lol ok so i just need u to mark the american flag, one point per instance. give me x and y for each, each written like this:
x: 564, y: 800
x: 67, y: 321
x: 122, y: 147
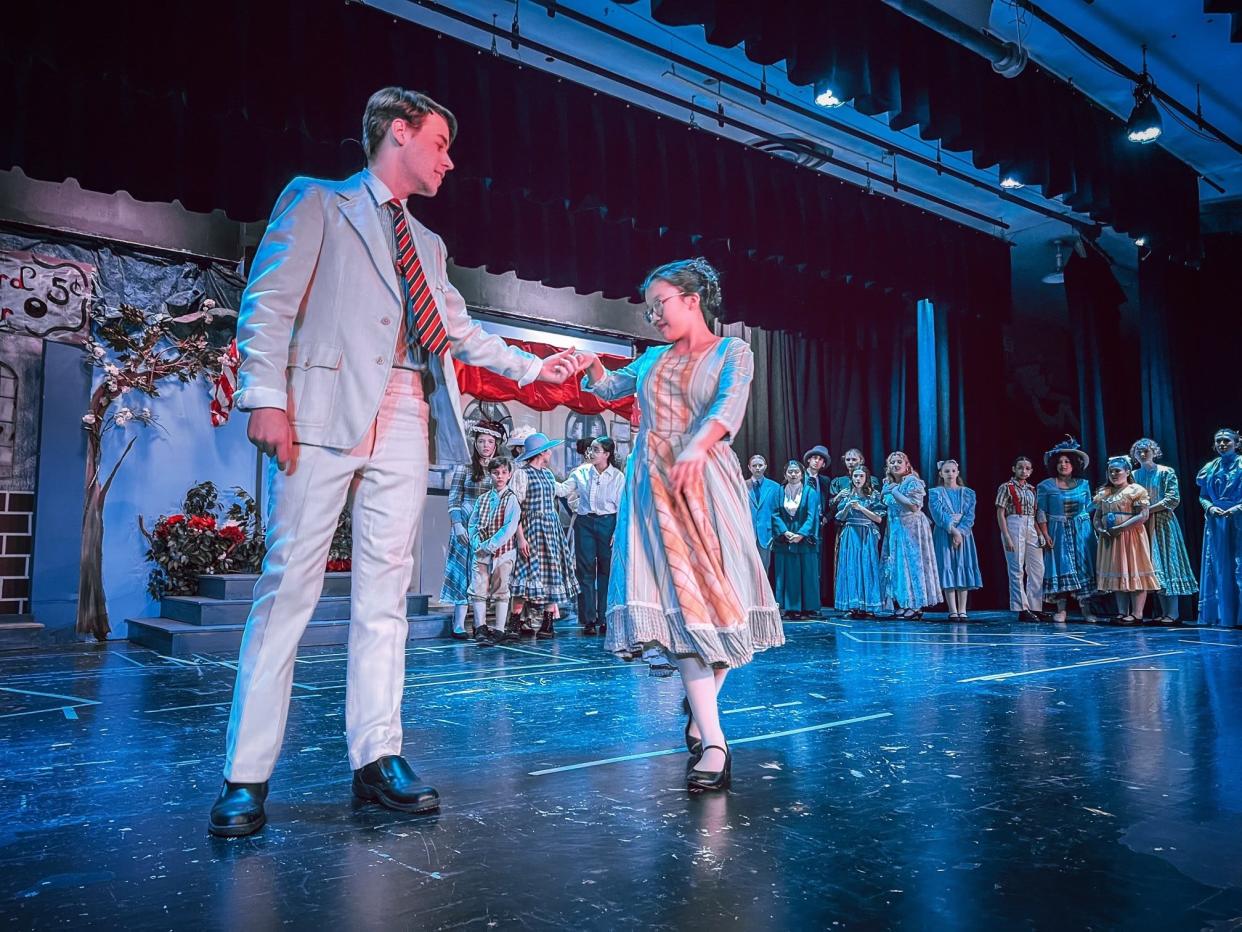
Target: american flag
x: 226, y: 384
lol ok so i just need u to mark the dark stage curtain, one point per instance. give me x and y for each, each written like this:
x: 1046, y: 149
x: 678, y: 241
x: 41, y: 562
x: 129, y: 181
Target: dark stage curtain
x: 1035, y: 126
x: 1107, y: 358
x: 219, y: 108
x: 1191, y: 386
x: 856, y: 385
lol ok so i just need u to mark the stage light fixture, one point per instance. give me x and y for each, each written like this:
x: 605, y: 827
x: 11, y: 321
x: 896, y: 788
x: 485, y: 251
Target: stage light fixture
x: 1145, y: 124
x: 1140, y: 241
x: 1057, y: 276
x: 824, y: 96
x: 1009, y: 182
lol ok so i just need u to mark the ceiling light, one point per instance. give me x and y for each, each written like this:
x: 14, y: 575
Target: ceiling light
x: 1141, y: 241
x: 824, y: 96
x: 1011, y: 183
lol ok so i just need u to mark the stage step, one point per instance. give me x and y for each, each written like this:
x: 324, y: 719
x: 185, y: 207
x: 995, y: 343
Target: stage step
x: 174, y: 638
x: 20, y: 632
x: 241, y: 585
x: 211, y: 612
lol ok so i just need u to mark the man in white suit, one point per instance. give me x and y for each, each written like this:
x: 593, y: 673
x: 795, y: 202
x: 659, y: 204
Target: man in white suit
x: 346, y: 329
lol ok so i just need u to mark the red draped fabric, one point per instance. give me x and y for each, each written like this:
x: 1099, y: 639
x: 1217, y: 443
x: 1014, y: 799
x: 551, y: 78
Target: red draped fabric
x: 542, y: 396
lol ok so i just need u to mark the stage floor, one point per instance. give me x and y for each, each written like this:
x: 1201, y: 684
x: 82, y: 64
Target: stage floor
x: 886, y: 774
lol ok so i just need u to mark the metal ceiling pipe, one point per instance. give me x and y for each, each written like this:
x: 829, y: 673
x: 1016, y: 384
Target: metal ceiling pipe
x: 1007, y: 58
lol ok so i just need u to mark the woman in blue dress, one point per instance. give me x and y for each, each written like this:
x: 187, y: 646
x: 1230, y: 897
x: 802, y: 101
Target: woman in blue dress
x: 952, y: 508
x: 795, y: 545
x: 1220, y: 494
x: 1063, y: 513
x: 908, y: 565
x: 1168, y: 548
x: 466, y: 485
x: 859, y: 512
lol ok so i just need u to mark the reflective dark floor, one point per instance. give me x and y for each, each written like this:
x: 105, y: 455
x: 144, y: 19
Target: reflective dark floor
x: 887, y: 775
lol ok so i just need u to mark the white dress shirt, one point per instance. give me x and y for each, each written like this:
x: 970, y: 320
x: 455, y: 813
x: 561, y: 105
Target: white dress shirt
x: 596, y: 493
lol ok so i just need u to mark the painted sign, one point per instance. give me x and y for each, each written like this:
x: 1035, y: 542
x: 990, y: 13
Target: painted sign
x: 44, y: 296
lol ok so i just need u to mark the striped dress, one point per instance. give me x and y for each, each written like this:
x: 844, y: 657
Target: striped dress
x: 686, y: 576
x: 1168, y: 548
x: 464, y: 492
x: 547, y: 574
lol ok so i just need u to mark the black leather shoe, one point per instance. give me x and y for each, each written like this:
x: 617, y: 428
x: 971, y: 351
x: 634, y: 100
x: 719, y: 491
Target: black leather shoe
x: 391, y: 782
x: 711, y: 780
x: 588, y: 630
x: 238, y: 810
x: 603, y: 627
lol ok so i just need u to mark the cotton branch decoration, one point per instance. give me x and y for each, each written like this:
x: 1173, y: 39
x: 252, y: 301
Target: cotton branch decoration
x: 136, y: 351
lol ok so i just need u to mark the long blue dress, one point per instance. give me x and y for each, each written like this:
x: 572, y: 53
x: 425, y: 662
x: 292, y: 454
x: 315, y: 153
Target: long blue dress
x: 959, y: 566
x: 797, y: 564
x: 1168, y: 547
x: 858, y: 581
x: 1069, y: 567
x: 1220, y: 581
x: 908, y: 565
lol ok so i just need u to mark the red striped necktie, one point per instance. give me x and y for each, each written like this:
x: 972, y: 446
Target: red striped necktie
x: 422, y: 320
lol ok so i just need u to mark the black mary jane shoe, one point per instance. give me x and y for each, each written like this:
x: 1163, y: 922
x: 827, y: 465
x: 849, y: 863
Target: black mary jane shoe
x: 238, y: 810
x: 711, y: 780
x: 1126, y: 621
x: 693, y: 745
x: 391, y: 782
x: 459, y: 635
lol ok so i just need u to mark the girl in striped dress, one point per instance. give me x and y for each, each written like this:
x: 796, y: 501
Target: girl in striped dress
x: 544, y: 575
x: 466, y: 484
x: 686, y: 575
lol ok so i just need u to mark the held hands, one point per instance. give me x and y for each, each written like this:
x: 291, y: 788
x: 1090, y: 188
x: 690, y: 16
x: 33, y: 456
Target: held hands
x: 269, y: 430
x: 559, y: 366
x: 956, y: 536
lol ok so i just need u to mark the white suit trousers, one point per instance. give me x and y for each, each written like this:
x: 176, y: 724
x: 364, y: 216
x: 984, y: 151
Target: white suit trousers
x: 387, y: 472
x: 1025, y: 564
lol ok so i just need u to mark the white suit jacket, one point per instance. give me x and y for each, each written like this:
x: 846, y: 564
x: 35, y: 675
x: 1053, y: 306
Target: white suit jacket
x: 318, y: 322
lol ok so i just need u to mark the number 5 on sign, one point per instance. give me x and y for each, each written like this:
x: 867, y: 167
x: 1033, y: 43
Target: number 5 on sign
x: 44, y: 296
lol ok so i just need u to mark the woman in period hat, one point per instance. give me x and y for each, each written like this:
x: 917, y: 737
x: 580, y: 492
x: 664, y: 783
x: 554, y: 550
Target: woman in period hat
x: 466, y: 485
x: 1063, y: 513
x: 544, y: 575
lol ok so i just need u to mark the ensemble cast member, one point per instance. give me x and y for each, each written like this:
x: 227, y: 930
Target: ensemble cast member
x: 816, y: 461
x: 596, y: 491
x: 1220, y: 494
x: 908, y: 574
x: 860, y: 511
x: 1024, y: 557
x: 793, y: 545
x: 493, y: 532
x: 952, y: 507
x: 1123, y: 551
x: 1063, y: 512
x: 544, y: 576
x: 1168, y: 547
x: 765, y: 497
x: 466, y: 484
